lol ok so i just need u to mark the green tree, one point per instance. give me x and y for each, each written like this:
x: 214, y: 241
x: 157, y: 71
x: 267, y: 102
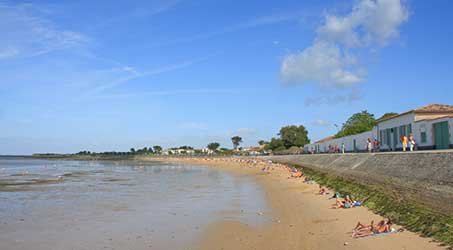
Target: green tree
x: 157, y: 149
x: 357, y: 123
x: 132, y: 150
x: 213, y: 146
x: 294, y: 136
x: 225, y: 151
x: 387, y: 115
x: 262, y: 142
x: 236, y: 140
x: 276, y: 144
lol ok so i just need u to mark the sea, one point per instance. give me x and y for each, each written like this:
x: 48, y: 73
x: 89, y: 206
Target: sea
x: 63, y: 204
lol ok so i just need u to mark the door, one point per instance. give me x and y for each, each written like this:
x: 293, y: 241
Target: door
x: 395, y: 138
x: 389, y: 138
x: 441, y: 135
x: 355, y: 146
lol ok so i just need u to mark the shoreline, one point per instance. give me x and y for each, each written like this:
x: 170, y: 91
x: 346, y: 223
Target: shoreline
x: 301, y: 219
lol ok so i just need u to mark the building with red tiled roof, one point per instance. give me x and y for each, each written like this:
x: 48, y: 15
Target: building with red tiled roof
x: 431, y: 126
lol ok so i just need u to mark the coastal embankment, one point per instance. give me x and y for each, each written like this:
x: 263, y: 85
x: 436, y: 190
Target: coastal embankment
x: 300, y: 217
x: 413, y: 189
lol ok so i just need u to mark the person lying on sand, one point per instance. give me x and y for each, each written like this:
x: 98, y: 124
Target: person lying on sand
x: 366, y: 230
x: 346, y: 203
x: 341, y: 204
x: 323, y: 190
x: 297, y: 174
x: 308, y: 180
x: 361, y: 226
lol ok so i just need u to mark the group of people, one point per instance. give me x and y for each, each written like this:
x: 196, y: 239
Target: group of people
x: 408, y: 141
x: 347, y: 202
x: 360, y: 230
x: 373, y: 146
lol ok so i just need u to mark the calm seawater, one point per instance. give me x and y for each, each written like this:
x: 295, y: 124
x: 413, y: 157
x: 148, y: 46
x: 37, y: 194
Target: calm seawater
x: 118, y: 205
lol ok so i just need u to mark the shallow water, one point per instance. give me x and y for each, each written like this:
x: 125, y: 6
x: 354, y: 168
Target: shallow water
x: 118, y: 205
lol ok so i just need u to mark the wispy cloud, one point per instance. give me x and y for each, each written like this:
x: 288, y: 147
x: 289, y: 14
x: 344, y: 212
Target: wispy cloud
x: 327, y: 99
x: 27, y: 33
x: 171, y: 92
x: 249, y: 24
x: 151, y: 9
x: 194, y: 125
x: 134, y: 74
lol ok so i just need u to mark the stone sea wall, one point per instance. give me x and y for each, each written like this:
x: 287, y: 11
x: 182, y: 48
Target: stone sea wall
x: 425, y: 178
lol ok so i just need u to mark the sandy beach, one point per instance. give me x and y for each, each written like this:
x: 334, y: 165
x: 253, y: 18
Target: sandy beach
x: 301, y: 218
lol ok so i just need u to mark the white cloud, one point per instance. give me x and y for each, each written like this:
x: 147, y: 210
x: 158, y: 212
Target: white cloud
x: 27, y: 33
x: 8, y: 53
x: 352, y: 96
x: 323, y: 63
x: 370, y: 21
x: 194, y: 125
x: 244, y: 132
x: 331, y: 61
x: 320, y: 122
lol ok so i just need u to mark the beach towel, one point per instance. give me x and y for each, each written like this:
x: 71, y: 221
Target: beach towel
x: 375, y: 235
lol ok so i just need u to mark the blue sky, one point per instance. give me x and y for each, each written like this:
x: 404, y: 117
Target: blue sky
x: 92, y: 75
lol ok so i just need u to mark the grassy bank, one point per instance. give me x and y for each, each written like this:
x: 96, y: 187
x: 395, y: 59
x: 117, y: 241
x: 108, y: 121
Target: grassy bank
x: 413, y: 217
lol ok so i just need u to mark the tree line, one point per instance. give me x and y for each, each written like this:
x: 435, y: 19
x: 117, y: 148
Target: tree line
x: 288, y: 138
x: 143, y: 151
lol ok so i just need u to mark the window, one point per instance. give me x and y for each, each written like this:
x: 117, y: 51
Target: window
x: 409, y: 129
x: 423, y: 137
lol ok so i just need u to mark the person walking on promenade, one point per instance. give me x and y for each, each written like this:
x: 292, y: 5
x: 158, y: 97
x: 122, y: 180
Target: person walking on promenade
x: 404, y: 142
x: 376, y: 145
x: 411, y: 142
x: 369, y: 145
x: 342, y: 148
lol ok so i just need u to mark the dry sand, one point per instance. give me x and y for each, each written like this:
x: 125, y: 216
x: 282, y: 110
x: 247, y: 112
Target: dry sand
x: 301, y: 219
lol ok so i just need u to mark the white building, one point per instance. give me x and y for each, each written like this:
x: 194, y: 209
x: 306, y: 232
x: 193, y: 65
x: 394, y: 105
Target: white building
x: 431, y: 126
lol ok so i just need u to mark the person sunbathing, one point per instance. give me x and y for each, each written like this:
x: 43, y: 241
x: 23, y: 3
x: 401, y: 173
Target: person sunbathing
x: 346, y: 203
x: 323, y: 190
x: 361, y: 226
x: 366, y: 230
x: 308, y: 180
x: 338, y: 204
x: 297, y: 174
x: 384, y: 226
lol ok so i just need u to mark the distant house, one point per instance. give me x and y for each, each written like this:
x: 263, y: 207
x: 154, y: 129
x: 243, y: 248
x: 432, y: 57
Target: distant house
x: 431, y: 126
x: 259, y: 150
x: 178, y: 151
x: 207, y: 151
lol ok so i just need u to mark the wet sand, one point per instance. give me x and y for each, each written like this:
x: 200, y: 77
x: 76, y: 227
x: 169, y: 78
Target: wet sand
x: 118, y: 205
x: 300, y: 218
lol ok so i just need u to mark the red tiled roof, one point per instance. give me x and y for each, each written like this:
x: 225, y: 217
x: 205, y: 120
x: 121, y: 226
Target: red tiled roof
x: 435, y: 118
x: 435, y: 108
x: 431, y: 108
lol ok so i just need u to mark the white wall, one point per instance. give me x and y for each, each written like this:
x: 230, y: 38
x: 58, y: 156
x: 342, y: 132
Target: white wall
x: 397, y: 122
x: 361, y: 141
x: 429, y: 128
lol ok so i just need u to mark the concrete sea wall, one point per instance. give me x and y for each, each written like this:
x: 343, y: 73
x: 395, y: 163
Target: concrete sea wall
x: 425, y: 178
